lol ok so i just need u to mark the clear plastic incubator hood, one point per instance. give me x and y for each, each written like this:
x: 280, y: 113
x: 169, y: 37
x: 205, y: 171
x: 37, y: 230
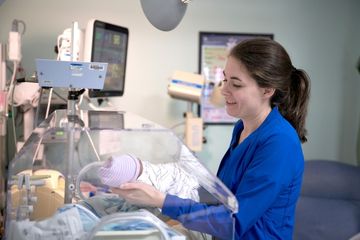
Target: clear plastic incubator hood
x: 55, y: 192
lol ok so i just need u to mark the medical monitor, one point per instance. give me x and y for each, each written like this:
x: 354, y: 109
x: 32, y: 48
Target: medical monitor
x: 106, y: 42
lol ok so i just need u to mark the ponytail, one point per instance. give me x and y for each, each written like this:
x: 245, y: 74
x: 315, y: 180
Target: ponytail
x: 294, y: 104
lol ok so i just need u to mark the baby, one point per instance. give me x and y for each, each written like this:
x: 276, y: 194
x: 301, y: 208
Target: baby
x: 166, y: 177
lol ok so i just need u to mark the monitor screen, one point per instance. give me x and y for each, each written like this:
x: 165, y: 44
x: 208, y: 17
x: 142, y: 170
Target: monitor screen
x: 106, y: 119
x: 109, y: 44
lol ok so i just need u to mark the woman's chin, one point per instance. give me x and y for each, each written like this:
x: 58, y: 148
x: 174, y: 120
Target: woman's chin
x: 230, y: 111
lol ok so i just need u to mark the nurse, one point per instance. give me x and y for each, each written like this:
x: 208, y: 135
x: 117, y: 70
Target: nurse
x: 263, y: 165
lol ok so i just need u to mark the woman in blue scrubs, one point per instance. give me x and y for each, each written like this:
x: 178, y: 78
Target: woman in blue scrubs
x: 264, y: 163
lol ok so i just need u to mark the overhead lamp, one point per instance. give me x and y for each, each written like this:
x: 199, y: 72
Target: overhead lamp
x: 165, y: 15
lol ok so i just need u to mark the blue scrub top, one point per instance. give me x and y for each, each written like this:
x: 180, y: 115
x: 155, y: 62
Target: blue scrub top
x: 264, y: 172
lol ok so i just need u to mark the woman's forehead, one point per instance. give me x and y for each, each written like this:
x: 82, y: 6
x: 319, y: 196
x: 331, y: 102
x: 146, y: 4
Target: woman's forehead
x: 234, y: 65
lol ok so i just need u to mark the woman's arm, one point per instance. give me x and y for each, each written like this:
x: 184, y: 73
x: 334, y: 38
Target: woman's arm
x: 214, y: 220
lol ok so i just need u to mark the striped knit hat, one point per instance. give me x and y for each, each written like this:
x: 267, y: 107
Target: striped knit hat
x: 119, y: 169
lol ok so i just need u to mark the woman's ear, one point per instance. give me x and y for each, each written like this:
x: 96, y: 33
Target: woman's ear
x: 269, y: 92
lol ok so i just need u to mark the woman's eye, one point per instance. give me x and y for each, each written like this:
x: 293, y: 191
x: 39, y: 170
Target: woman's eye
x: 231, y: 84
x: 236, y: 86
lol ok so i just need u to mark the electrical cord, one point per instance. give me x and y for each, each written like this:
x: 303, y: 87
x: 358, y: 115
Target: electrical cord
x: 15, y: 26
x: 61, y: 97
x: 11, y: 90
x: 49, y: 103
x: 38, y: 110
x: 177, y: 125
x: 52, y: 91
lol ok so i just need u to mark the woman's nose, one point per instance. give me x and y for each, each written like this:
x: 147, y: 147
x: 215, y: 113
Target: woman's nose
x: 224, y: 89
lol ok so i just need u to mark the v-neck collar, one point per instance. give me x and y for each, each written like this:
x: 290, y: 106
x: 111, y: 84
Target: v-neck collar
x: 240, y: 128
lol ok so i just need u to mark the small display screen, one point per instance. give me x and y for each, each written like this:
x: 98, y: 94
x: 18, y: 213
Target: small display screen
x: 105, y: 119
x: 109, y: 45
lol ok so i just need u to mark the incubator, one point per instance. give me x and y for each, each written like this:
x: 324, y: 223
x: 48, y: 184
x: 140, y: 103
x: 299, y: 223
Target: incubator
x: 55, y: 192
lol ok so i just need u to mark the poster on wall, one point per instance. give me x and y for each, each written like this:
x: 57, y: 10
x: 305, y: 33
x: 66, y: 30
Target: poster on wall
x: 213, y: 50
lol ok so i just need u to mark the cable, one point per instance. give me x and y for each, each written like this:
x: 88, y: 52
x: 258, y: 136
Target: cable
x: 38, y: 109
x: 177, y: 125
x: 15, y: 26
x: 11, y: 90
x: 61, y: 97
x: 48, y: 104
x: 109, y: 103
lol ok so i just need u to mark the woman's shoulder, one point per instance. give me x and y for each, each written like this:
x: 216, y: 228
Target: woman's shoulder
x: 279, y: 134
x: 279, y: 127
x: 281, y: 141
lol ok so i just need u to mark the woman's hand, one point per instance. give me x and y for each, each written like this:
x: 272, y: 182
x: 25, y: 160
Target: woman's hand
x: 87, y: 187
x: 140, y: 194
